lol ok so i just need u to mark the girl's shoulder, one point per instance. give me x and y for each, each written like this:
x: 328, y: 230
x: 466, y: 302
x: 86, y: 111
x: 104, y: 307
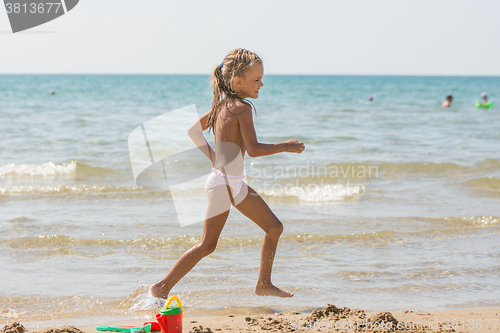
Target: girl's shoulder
x: 238, y: 107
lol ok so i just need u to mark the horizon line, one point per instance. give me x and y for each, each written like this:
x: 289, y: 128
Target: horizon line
x: 270, y: 74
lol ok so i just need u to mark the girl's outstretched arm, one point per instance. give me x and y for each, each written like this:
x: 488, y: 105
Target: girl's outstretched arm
x: 195, y: 132
x: 255, y: 148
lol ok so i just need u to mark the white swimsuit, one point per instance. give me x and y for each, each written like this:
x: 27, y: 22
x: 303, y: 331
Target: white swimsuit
x: 218, y: 178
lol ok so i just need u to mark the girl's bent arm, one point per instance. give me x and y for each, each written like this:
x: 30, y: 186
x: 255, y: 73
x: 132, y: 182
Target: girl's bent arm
x: 254, y: 148
x: 195, y: 132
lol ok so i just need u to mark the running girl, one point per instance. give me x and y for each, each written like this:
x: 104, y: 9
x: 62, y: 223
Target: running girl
x: 238, y: 77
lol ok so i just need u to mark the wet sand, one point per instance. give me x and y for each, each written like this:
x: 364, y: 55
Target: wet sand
x: 328, y: 319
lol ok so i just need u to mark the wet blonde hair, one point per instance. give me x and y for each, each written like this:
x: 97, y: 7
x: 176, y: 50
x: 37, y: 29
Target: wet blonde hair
x: 235, y: 64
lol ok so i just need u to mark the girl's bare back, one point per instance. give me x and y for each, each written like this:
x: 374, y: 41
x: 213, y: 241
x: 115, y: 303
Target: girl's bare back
x: 229, y: 143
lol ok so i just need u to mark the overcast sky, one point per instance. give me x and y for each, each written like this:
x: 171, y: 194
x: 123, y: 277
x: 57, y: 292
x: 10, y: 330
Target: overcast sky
x: 424, y: 37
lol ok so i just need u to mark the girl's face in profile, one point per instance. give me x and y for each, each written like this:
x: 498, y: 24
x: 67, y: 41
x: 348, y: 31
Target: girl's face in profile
x: 248, y: 86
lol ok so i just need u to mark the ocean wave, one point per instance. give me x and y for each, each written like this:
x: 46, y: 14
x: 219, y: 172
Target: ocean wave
x: 473, y: 220
x: 435, y: 169
x: 316, y: 193
x: 22, y: 219
x: 312, y: 172
x: 50, y: 308
x: 66, y: 189
x: 444, y: 227
x: 438, y: 227
x: 44, y: 169
x: 67, y: 242
x: 485, y: 186
x: 50, y: 169
x: 416, y: 168
x: 490, y: 163
x: 366, y: 170
x: 67, y: 245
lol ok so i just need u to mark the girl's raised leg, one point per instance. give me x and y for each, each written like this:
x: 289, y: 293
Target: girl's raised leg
x: 256, y: 209
x: 211, y: 231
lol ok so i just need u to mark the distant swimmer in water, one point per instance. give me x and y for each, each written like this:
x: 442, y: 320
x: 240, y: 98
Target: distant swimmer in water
x: 447, y: 102
x: 370, y: 99
x: 52, y: 92
x: 484, y: 97
x: 484, y: 103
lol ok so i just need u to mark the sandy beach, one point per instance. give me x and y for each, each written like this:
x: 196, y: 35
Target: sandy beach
x: 328, y: 319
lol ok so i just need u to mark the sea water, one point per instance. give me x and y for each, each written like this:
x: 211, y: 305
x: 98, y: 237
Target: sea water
x: 394, y: 204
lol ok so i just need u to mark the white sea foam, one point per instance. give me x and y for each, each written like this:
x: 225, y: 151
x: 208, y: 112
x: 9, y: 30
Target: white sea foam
x: 44, y: 169
x: 316, y: 193
x: 65, y: 188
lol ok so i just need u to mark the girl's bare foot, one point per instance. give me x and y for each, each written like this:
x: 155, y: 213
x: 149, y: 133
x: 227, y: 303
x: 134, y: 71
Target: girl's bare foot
x: 157, y: 290
x: 270, y: 290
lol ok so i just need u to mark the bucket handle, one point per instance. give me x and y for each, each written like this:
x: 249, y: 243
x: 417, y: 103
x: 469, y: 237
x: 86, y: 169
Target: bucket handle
x: 174, y: 298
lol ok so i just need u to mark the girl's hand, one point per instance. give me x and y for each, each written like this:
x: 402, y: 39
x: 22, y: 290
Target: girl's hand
x: 293, y: 146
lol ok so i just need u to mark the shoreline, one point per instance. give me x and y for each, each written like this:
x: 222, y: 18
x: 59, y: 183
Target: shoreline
x: 328, y: 319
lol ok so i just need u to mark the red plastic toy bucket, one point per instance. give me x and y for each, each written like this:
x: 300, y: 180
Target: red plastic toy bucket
x: 170, y: 318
